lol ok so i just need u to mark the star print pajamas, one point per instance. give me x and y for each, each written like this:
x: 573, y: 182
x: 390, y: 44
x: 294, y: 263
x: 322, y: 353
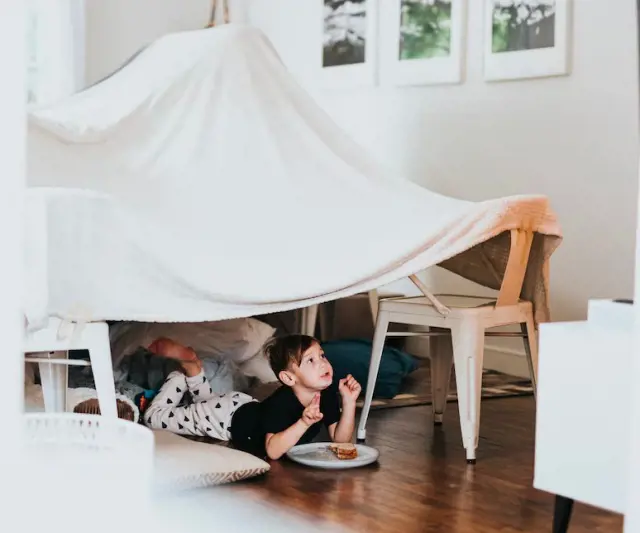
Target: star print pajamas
x: 209, y: 414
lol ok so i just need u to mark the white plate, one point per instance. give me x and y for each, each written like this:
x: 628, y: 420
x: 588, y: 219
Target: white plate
x: 318, y: 454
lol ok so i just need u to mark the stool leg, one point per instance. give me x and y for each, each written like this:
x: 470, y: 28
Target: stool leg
x: 54, y: 379
x: 382, y: 325
x: 96, y: 338
x: 441, y: 359
x: 468, y: 352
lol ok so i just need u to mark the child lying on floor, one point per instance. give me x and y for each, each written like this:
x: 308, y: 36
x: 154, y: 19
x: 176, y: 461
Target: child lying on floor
x: 292, y: 415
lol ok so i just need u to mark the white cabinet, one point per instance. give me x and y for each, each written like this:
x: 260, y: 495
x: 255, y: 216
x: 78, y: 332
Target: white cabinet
x: 584, y: 406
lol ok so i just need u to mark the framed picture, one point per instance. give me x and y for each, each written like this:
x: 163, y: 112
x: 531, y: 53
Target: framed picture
x: 423, y: 41
x: 526, y: 38
x: 349, y: 42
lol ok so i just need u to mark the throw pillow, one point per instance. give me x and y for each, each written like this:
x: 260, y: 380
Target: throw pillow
x: 182, y: 464
x: 353, y: 356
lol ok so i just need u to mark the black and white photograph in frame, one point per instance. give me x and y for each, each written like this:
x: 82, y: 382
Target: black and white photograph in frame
x: 526, y: 38
x: 345, y: 32
x: 423, y: 41
x: 349, y: 47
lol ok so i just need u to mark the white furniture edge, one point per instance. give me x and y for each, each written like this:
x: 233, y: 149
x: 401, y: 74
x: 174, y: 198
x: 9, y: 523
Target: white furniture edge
x: 51, y: 344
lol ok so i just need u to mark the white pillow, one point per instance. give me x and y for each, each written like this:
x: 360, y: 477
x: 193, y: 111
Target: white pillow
x: 237, y: 339
x: 182, y: 464
x: 258, y: 367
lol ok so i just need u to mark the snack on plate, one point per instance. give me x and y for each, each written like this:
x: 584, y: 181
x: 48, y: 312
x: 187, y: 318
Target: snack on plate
x: 344, y: 451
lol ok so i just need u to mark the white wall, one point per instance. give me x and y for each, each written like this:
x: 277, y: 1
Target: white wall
x: 116, y: 29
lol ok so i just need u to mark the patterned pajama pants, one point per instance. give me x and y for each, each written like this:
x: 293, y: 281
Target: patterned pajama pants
x: 209, y: 414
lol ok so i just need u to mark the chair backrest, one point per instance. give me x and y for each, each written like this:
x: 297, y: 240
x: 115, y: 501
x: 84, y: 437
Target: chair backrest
x: 511, y: 287
x: 516, y: 268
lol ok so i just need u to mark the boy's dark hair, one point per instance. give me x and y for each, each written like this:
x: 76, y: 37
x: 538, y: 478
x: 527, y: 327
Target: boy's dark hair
x: 282, y: 351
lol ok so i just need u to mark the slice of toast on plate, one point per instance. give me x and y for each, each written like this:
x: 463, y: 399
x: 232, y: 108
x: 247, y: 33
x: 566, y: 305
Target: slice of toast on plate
x: 344, y: 451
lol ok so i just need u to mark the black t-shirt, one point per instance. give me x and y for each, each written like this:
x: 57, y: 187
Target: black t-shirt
x: 253, y: 421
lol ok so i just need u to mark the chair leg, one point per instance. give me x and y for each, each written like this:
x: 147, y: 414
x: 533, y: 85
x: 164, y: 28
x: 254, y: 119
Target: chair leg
x: 468, y: 353
x: 324, y: 312
x: 531, y: 350
x: 96, y: 337
x: 374, y: 304
x: 441, y: 359
x: 562, y: 514
x: 309, y: 320
x: 382, y: 324
x: 54, y: 379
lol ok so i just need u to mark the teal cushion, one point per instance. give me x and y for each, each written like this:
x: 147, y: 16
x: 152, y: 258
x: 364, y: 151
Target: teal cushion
x: 352, y: 356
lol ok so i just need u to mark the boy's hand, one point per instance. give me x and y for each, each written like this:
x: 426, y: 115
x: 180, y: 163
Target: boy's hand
x: 312, y: 413
x: 349, y: 389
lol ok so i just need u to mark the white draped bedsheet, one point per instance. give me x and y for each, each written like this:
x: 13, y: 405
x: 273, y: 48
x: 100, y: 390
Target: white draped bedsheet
x: 200, y: 182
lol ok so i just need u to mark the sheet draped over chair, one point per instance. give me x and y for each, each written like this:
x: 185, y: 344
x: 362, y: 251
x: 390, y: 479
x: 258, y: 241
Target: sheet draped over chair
x: 156, y: 195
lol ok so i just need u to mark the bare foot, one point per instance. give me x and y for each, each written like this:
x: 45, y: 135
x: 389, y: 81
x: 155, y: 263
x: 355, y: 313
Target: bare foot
x: 173, y: 350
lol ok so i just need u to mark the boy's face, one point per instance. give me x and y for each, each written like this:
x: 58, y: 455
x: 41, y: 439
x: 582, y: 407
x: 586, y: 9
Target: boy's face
x: 314, y: 371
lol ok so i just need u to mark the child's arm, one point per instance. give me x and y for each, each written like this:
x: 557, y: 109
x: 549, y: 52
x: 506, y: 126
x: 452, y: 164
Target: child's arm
x: 342, y: 431
x: 277, y: 444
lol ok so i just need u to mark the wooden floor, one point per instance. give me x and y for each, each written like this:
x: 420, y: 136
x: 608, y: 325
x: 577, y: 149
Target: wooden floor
x: 422, y: 482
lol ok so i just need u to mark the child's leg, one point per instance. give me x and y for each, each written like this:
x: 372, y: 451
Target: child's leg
x: 200, y: 388
x: 164, y: 413
x: 209, y: 415
x: 214, y: 411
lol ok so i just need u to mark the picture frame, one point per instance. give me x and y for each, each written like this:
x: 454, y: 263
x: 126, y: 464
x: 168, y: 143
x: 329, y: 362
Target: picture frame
x: 349, y: 37
x: 423, y: 41
x: 526, y: 39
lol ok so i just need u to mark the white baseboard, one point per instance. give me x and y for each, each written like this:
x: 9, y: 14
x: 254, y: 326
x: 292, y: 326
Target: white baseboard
x: 506, y: 360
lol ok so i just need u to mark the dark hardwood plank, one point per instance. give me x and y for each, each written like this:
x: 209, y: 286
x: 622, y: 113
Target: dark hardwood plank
x: 423, y: 484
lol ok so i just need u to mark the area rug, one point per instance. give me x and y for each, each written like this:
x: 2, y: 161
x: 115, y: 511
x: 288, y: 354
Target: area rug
x: 417, y: 390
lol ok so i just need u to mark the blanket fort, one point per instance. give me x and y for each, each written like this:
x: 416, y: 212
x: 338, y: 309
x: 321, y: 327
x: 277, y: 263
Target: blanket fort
x: 158, y: 194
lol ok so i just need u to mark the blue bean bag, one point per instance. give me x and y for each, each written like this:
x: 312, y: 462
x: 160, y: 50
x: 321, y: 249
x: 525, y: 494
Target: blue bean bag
x: 352, y: 356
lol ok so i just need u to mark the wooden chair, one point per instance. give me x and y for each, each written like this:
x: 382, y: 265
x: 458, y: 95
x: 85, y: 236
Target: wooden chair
x: 457, y: 327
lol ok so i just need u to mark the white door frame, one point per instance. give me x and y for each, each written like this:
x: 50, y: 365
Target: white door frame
x: 632, y: 516
x: 12, y: 184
